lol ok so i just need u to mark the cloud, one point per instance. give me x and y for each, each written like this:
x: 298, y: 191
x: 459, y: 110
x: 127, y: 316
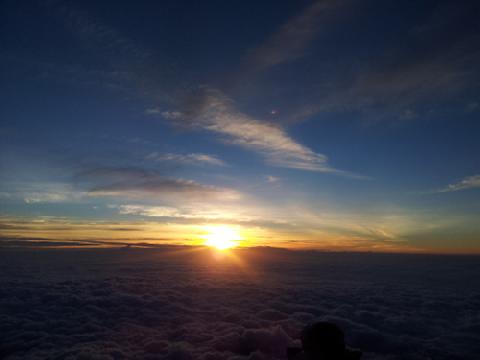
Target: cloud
x: 394, y: 90
x: 157, y: 211
x: 193, y: 158
x: 43, y: 192
x: 211, y: 110
x: 272, y: 179
x: 152, y: 111
x: 393, y: 82
x: 132, y: 68
x: 181, y: 303
x: 172, y: 212
x: 470, y: 182
x: 292, y: 39
x: 49, y: 197
x: 197, y: 214
x: 171, y: 115
x: 167, y: 114
x: 137, y: 182
x: 97, y: 232
x: 94, y: 33
x: 435, y: 59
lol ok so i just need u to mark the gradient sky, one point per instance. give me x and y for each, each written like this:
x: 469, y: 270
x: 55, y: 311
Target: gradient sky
x: 340, y: 125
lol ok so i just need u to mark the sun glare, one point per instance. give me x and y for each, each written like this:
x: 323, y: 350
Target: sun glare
x: 222, y: 237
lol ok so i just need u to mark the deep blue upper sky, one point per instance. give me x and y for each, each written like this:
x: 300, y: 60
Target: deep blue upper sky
x: 350, y: 124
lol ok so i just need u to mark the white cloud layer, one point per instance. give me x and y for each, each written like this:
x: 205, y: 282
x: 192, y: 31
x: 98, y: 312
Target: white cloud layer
x: 183, y: 305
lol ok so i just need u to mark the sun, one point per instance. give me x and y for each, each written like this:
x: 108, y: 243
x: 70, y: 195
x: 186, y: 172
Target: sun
x: 222, y: 237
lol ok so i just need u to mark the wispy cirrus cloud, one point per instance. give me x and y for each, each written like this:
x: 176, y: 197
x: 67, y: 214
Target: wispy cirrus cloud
x: 292, y: 39
x: 192, y: 158
x: 469, y: 182
x: 138, y: 182
x: 437, y: 60
x: 202, y: 213
x: 211, y: 110
x: 154, y: 211
x: 94, y: 33
x: 272, y: 179
x: 395, y: 88
x: 33, y: 198
x: 42, y: 192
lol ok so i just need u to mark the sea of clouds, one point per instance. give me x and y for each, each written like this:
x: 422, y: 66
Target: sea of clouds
x: 192, y: 303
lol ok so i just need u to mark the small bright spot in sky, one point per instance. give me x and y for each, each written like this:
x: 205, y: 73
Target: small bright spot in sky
x: 222, y: 237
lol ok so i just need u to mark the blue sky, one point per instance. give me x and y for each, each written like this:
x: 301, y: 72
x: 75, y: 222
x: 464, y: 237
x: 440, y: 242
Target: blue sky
x: 329, y: 124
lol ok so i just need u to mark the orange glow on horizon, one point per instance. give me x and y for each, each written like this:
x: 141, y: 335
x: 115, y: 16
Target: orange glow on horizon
x: 221, y: 236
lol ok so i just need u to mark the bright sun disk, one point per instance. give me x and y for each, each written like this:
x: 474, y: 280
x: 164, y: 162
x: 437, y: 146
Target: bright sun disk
x: 222, y: 237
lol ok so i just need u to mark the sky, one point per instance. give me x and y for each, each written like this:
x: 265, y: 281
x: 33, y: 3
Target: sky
x: 334, y: 125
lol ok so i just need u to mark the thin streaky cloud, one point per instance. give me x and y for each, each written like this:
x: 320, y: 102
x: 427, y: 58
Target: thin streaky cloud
x: 97, y: 34
x: 132, y: 68
x: 152, y: 111
x: 192, y: 158
x: 172, y: 114
x: 271, y: 179
x: 154, y: 211
x: 217, y: 113
x: 42, y: 192
x: 143, y: 183
x: 213, y: 111
x: 292, y: 39
x: 470, y: 182
x: 407, y: 82
x: 175, y: 213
